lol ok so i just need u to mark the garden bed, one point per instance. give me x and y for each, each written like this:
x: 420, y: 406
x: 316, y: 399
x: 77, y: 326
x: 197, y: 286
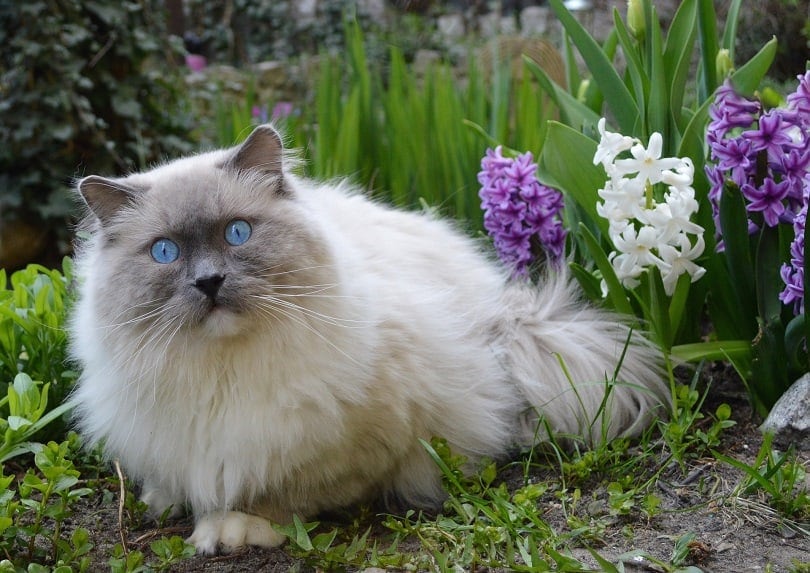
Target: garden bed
x: 702, y: 512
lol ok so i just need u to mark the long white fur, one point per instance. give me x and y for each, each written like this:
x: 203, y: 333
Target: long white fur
x: 417, y: 334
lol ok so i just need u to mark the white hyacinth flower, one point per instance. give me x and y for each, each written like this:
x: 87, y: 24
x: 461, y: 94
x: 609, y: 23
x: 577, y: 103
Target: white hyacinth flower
x: 646, y: 232
x: 610, y: 145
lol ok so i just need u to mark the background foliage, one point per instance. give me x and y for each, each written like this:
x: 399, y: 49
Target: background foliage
x: 85, y: 88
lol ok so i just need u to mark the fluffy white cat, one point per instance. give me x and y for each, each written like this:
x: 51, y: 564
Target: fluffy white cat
x: 254, y: 345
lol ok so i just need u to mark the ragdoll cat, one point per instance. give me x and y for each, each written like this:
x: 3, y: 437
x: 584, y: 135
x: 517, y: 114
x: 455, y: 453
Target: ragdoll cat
x: 255, y: 345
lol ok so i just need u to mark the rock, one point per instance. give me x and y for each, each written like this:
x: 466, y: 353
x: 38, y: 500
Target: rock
x: 534, y: 20
x: 375, y: 9
x: 451, y: 26
x: 789, y: 420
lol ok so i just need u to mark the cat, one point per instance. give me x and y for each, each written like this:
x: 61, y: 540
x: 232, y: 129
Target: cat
x: 255, y: 345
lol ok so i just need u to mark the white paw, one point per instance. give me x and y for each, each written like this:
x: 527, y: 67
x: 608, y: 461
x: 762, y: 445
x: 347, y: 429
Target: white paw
x: 159, y: 502
x: 231, y: 530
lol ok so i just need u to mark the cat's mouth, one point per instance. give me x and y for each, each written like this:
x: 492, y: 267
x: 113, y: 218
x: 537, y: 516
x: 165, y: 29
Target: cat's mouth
x: 220, y: 319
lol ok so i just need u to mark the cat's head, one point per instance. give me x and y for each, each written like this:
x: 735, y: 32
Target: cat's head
x: 206, y: 245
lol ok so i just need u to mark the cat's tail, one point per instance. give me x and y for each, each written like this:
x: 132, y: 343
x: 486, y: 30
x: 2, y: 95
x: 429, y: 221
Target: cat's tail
x: 584, y: 371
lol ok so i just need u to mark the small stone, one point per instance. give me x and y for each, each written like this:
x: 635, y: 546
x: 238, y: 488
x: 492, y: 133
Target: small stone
x: 724, y: 546
x: 534, y: 20
x: 451, y: 26
x: 789, y: 420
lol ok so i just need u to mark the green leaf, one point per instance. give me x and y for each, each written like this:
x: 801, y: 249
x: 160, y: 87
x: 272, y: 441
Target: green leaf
x: 18, y: 422
x: 716, y: 350
x: 616, y: 291
x: 751, y: 472
x: 563, y: 149
x: 748, y: 77
x: 587, y: 281
x: 678, y: 55
x: 734, y: 230
x: 604, y: 565
x: 707, y: 26
x: 677, y: 303
x: 638, y: 75
x: 730, y: 33
x: 658, y: 106
x: 795, y: 336
x: 617, y: 96
x: 573, y: 112
x: 767, y: 273
x: 301, y: 535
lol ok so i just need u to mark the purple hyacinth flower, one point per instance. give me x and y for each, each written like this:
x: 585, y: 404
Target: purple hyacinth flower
x: 730, y: 110
x: 518, y: 208
x: 767, y: 199
x: 800, y: 99
x: 793, y: 273
x: 735, y: 156
x: 771, y: 135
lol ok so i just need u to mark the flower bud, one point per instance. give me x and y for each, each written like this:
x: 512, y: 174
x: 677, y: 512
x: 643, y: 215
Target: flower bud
x: 636, y: 18
x: 582, y: 91
x: 723, y: 64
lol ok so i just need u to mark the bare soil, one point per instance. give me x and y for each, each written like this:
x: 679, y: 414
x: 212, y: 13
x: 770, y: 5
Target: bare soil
x: 732, y: 534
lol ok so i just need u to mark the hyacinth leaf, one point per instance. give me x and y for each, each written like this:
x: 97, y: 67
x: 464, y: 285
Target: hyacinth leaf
x: 573, y: 111
x: 658, y: 106
x: 746, y: 80
x: 795, y: 335
x: 573, y: 77
x: 616, y: 292
x: 730, y: 32
x: 589, y: 283
x: 768, y: 280
x: 655, y: 307
x: 748, y: 77
x: 707, y: 27
x: 677, y: 302
x: 678, y: 56
x: 616, y: 94
x: 734, y: 225
x: 635, y: 68
x: 564, y: 148
x: 769, y: 378
x: 692, y: 139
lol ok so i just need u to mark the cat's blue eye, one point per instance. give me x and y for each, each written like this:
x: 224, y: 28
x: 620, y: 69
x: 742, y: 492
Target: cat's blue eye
x: 237, y: 232
x: 165, y: 251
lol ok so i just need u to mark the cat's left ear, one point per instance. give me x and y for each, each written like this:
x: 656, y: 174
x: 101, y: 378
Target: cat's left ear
x: 261, y: 151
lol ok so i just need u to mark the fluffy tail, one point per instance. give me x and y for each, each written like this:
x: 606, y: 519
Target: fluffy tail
x: 582, y: 370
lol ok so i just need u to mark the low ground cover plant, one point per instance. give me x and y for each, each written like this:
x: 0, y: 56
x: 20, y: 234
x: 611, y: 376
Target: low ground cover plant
x: 682, y: 205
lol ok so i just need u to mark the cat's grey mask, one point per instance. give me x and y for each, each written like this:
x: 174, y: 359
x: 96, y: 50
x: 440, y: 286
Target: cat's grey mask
x: 210, y: 258
x: 261, y: 153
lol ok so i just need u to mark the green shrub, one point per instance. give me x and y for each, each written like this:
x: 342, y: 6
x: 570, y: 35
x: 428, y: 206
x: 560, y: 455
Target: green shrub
x: 33, y: 341
x: 84, y: 87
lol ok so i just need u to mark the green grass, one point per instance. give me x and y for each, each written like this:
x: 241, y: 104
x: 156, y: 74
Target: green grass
x: 409, y: 139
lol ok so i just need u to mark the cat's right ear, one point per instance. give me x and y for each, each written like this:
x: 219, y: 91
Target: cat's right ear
x: 105, y: 197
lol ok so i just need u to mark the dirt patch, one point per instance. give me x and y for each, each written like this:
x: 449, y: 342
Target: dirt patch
x: 731, y: 533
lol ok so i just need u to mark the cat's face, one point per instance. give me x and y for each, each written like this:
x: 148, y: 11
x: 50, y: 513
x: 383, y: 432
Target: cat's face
x: 203, y: 246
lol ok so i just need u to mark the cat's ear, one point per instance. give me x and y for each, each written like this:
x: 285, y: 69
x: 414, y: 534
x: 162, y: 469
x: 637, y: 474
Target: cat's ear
x: 261, y: 151
x: 105, y: 197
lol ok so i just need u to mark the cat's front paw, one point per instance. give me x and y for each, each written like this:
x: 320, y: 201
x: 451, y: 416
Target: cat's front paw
x: 228, y: 531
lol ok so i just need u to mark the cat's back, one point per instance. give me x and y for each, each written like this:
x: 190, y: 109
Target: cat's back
x: 406, y: 250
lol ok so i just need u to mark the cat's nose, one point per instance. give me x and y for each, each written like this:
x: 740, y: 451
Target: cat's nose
x: 209, y: 285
